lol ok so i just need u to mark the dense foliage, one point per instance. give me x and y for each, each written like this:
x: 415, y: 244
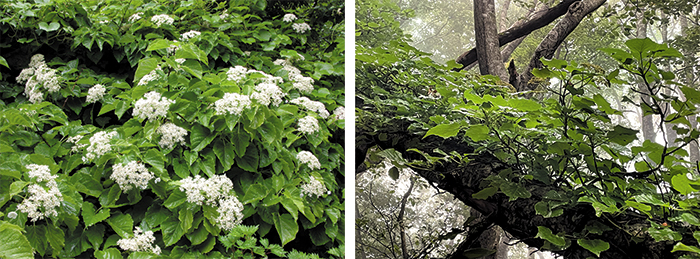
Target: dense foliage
x: 564, y: 148
x: 170, y: 129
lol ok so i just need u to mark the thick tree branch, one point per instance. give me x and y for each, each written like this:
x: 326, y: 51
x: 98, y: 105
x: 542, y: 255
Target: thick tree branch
x: 538, y: 20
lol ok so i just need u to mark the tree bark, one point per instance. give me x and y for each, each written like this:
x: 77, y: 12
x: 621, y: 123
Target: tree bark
x: 402, y: 224
x: 359, y: 250
x: 489, y: 53
x: 694, y: 148
x: 539, y: 20
x: 577, y: 11
x: 647, y: 121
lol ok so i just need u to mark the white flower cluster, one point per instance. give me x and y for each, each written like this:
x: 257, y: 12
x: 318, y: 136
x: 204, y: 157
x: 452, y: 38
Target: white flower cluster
x: 151, y: 76
x: 95, y: 93
x: 310, y: 105
x: 99, y: 145
x: 171, y: 135
x: 266, y: 93
x: 230, y: 213
x: 301, y: 27
x: 290, y: 17
x: 314, y: 188
x: 216, y: 192
x: 232, y: 103
x: 236, y: 73
x: 133, y: 173
x: 141, y: 242
x: 39, y: 198
x: 286, y: 65
x: 303, y: 84
x: 339, y: 113
x: 38, y: 73
x: 75, y: 140
x: 308, y: 125
x: 161, y: 19
x: 152, y: 106
x: 306, y: 157
x: 135, y: 17
x: 190, y: 34
x: 173, y: 47
x: 223, y: 15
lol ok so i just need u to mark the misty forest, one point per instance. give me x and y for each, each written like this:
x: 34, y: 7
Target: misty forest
x: 527, y: 129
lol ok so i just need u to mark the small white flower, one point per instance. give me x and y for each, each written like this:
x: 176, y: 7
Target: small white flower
x: 141, y: 242
x: 42, y: 173
x: 339, y: 113
x: 232, y: 103
x: 301, y: 27
x: 153, y: 75
x: 180, y: 60
x: 171, y: 135
x: 41, y: 202
x: 306, y: 157
x: 190, y: 34
x: 318, y: 107
x: 36, y: 75
x: 152, y: 106
x: 12, y: 215
x: 290, y: 17
x: 162, y: 19
x: 236, y: 73
x: 266, y: 93
x: 308, y: 125
x: 287, y: 65
x: 304, y: 84
x: 314, y: 188
x: 173, y: 47
x: 209, y: 191
x: 99, y: 145
x: 223, y: 15
x: 131, y: 174
x: 95, y: 93
x: 135, y: 17
x: 75, y: 140
x: 230, y: 212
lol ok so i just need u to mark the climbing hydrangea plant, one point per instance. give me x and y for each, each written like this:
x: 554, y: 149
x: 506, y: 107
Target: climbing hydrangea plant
x: 148, y: 129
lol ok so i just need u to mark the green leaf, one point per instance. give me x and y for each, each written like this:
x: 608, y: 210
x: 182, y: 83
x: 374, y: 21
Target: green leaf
x: 444, y: 130
x: 692, y: 94
x: 250, y: 160
x: 663, y: 233
x: 485, y: 193
x: 524, y: 104
x: 13, y: 244
x: 200, y: 137
x: 186, y: 217
x: 175, y: 199
x: 622, y: 135
x: 37, y: 238
x: 109, y: 253
x: 198, y: 235
x: 55, y: 237
x: 681, y: 183
x: 478, y: 132
x: 546, y: 234
x: 158, y: 44
x: 193, y: 67
x: 89, y: 216
x: 683, y: 247
x: 4, y: 62
x: 642, y: 46
x: 254, y: 193
x: 156, y: 159
x: 207, y: 246
x: 122, y: 224
x: 172, y: 231
x: 394, y: 173
x: 145, y: 66
x: 225, y: 153
x: 596, y: 246
x: 515, y: 191
x: 53, y: 26
x: 191, y: 51
x: 286, y: 226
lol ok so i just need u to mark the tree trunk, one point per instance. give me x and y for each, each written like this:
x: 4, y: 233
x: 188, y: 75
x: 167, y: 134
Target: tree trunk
x: 503, y: 16
x: 670, y: 133
x: 488, y: 49
x: 576, y: 12
x: 694, y: 149
x: 539, y: 20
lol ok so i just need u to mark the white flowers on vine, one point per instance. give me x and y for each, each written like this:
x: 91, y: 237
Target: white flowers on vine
x: 290, y: 17
x: 132, y: 174
x: 215, y: 192
x: 152, y: 106
x: 141, y: 242
x: 171, y: 135
x: 313, y: 188
x: 310, y: 105
x: 35, y: 76
x: 162, y: 19
x: 190, y: 34
x: 232, y: 103
x: 95, y: 93
x: 301, y: 27
x: 306, y: 157
x: 308, y: 125
x: 99, y: 145
x: 44, y: 195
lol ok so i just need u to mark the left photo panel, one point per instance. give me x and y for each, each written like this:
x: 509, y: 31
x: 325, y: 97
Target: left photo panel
x: 161, y: 129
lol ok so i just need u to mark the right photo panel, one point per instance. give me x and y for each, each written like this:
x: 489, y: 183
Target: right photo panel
x: 527, y: 129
